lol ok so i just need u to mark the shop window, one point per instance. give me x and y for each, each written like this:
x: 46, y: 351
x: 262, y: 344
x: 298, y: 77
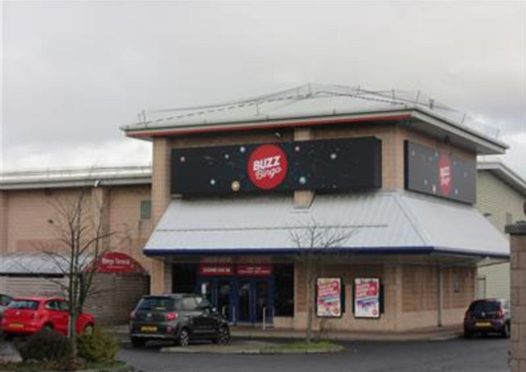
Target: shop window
x: 284, y: 289
x: 146, y: 209
x: 184, y: 278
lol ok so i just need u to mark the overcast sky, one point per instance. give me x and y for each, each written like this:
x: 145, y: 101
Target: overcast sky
x: 74, y: 72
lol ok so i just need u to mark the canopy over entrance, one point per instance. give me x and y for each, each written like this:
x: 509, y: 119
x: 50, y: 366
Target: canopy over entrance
x: 378, y: 223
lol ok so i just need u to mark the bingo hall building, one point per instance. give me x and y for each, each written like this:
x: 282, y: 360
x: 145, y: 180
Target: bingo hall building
x: 393, y: 174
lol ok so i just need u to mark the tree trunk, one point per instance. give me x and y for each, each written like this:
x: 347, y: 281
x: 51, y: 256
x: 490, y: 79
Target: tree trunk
x: 310, y: 301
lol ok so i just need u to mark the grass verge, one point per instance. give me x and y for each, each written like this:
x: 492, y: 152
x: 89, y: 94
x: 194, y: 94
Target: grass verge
x: 303, y: 347
x: 42, y: 366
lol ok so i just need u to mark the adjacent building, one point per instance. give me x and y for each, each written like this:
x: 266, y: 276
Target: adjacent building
x: 501, y: 197
x: 31, y: 205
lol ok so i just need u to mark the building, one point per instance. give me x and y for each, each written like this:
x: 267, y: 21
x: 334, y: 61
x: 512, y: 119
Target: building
x: 393, y: 172
x: 501, y: 196
x: 30, y: 204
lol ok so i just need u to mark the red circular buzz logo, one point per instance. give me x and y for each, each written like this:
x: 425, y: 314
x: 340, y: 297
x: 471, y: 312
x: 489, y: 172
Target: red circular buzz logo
x: 267, y: 166
x: 444, y: 174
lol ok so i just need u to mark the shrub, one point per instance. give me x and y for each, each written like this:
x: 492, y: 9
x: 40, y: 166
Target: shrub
x: 46, y: 345
x: 97, y: 347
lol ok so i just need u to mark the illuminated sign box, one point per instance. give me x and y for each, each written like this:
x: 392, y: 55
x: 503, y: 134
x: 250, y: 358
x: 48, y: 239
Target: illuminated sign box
x: 324, y: 165
x: 439, y: 173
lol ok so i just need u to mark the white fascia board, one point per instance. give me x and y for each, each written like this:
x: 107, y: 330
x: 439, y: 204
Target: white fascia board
x: 505, y: 174
x: 488, y: 145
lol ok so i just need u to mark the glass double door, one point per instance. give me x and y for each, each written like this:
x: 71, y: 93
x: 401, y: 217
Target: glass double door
x: 240, y: 300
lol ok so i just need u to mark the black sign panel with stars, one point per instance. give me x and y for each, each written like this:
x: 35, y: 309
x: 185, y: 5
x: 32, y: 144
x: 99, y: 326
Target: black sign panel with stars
x: 439, y: 173
x: 322, y: 165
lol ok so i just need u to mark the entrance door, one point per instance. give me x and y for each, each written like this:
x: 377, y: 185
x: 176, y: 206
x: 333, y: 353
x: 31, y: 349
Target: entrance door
x: 224, y: 297
x: 254, y: 300
x: 220, y: 293
x: 245, y: 301
x: 262, y: 300
x: 240, y: 300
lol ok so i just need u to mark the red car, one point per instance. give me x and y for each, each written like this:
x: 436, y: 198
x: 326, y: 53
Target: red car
x: 26, y: 316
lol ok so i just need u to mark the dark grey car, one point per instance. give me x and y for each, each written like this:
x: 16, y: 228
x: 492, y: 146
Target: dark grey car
x: 177, y: 317
x: 491, y: 315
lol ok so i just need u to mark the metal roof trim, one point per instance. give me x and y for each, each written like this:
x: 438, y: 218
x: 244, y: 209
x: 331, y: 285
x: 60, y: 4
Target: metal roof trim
x: 504, y: 173
x: 426, y: 250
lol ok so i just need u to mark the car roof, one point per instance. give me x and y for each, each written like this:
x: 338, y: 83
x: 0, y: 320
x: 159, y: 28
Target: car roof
x: 174, y: 295
x: 38, y: 299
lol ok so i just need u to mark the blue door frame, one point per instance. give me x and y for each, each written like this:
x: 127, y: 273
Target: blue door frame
x: 254, y: 311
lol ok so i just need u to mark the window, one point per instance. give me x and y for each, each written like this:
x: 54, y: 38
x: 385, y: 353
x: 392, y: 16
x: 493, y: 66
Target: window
x: 189, y: 303
x: 284, y: 289
x: 24, y: 304
x: 4, y: 300
x: 146, y: 209
x: 184, y: 277
x: 156, y: 303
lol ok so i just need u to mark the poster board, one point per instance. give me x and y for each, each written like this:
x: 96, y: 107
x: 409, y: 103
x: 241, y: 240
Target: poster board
x: 367, y: 298
x: 329, y: 297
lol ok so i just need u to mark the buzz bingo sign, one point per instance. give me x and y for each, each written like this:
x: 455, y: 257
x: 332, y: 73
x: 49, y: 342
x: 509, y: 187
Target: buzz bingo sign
x: 367, y: 298
x: 267, y: 167
x: 328, y: 297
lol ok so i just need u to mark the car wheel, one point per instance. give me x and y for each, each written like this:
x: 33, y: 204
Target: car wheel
x: 223, y: 336
x: 88, y: 330
x: 506, y: 331
x: 467, y: 334
x: 184, y: 337
x: 138, y: 342
x: 8, y: 337
x: 47, y: 327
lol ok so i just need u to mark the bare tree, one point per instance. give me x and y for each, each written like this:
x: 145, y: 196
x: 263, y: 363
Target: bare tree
x: 313, y: 241
x: 83, y: 238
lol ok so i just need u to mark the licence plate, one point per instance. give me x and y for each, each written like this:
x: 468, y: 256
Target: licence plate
x: 148, y: 329
x: 483, y: 324
x: 16, y: 325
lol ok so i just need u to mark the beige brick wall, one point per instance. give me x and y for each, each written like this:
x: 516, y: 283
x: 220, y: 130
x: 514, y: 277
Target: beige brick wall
x: 31, y: 221
x: 3, y: 222
x: 390, y: 276
x: 420, y: 294
x: 160, y: 275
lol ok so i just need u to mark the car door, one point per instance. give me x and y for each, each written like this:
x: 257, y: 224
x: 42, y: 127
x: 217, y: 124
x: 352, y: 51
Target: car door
x: 57, y: 316
x: 207, y: 320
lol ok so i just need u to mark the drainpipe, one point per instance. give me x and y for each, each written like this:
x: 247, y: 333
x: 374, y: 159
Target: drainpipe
x: 440, y: 296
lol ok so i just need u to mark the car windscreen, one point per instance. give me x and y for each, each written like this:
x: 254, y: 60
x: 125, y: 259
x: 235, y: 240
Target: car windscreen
x: 484, y: 306
x: 23, y: 305
x: 157, y: 304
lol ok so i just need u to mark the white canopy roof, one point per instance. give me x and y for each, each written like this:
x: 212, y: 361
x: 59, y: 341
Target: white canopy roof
x: 380, y: 222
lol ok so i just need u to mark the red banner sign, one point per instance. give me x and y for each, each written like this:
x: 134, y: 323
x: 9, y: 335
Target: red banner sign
x: 211, y: 269
x: 254, y: 270
x: 117, y: 262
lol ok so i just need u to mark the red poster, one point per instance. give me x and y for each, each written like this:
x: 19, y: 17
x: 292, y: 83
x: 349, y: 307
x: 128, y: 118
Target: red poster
x: 367, y: 298
x: 329, y: 292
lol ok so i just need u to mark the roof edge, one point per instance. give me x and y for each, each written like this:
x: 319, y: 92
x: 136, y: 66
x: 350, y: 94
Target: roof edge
x: 504, y: 173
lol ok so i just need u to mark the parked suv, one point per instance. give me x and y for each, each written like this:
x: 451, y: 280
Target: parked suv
x: 178, y: 317
x: 488, y: 316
